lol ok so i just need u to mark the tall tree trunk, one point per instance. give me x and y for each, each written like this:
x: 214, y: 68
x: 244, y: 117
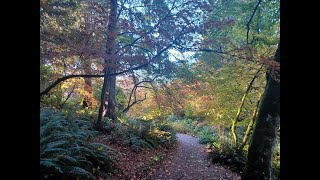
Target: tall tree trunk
x: 88, y: 83
x: 112, y: 98
x: 86, y: 66
x: 260, y: 153
x: 108, y: 87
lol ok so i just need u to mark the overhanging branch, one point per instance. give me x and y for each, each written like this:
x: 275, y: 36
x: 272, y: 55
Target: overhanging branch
x: 133, y: 92
x: 59, y: 80
x: 135, y: 102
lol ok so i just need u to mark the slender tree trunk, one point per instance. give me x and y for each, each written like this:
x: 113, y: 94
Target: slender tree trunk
x: 260, y: 153
x: 234, y: 122
x: 248, y: 131
x: 110, y: 61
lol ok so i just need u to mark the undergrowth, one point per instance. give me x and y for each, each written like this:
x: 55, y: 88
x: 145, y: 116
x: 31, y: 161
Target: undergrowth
x: 67, y: 149
x: 142, y: 134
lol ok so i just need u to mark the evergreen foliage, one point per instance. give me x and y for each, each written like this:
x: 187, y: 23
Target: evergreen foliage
x: 67, y: 149
x: 141, y: 134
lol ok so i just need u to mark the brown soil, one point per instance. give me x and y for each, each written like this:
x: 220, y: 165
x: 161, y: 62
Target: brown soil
x: 191, y: 161
x: 187, y: 159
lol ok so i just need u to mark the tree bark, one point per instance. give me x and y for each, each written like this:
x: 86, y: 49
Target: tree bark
x: 86, y: 66
x: 260, y: 153
x: 88, y: 83
x: 108, y: 87
x: 111, y: 106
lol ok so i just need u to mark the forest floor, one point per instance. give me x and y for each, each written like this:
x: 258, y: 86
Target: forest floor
x: 187, y: 159
x: 191, y: 161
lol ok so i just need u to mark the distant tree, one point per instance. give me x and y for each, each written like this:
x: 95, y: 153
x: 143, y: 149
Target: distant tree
x: 71, y: 41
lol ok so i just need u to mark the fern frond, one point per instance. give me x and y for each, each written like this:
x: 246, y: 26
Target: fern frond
x: 80, y: 172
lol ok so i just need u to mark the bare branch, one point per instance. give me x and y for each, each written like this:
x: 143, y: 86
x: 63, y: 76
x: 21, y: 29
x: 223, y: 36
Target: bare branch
x: 59, y: 80
x: 135, y: 102
x: 144, y: 87
x: 149, y: 32
x: 248, y: 24
x: 133, y: 92
x: 69, y: 95
x: 122, y: 8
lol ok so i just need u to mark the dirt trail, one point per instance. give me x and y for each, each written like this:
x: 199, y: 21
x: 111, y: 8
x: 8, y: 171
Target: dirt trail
x: 190, y: 161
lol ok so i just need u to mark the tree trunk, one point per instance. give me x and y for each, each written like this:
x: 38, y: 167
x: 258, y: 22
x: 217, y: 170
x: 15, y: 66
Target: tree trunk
x: 111, y: 98
x: 234, y: 122
x: 260, y: 153
x: 86, y: 66
x: 108, y: 87
x: 248, y: 131
x: 88, y: 83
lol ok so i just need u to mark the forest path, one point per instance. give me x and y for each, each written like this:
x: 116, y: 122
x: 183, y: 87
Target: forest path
x: 190, y: 161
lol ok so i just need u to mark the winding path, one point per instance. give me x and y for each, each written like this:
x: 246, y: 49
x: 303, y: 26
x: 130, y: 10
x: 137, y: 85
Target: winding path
x: 190, y: 161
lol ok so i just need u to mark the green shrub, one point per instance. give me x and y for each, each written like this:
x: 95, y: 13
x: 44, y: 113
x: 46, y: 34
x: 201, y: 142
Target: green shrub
x: 186, y: 126
x: 224, y: 152
x: 168, y: 128
x: 180, y: 127
x: 67, y: 149
x: 141, y: 134
x: 206, y: 135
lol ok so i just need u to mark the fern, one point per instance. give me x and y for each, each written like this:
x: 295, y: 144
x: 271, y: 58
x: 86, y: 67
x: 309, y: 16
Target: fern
x: 50, y: 164
x: 67, y: 159
x: 67, y: 149
x: 56, y: 144
x: 77, y: 171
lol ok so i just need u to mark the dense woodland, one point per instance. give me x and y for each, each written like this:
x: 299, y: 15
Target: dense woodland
x: 125, y: 85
